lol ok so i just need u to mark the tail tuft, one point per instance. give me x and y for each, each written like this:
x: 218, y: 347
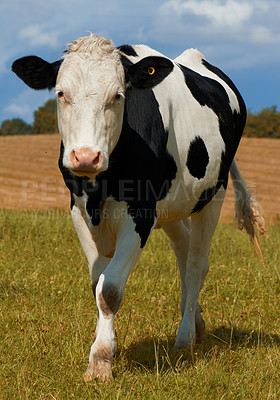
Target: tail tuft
x: 249, y: 213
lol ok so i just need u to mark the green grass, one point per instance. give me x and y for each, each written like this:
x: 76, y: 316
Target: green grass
x: 47, y: 318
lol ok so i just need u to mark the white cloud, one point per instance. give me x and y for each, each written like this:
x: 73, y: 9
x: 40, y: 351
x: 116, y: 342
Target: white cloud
x: 262, y: 35
x: 37, y: 35
x: 231, y: 13
x: 24, y: 105
x: 17, y: 109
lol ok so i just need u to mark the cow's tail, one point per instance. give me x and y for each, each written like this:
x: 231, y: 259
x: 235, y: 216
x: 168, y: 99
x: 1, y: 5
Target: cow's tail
x: 249, y: 213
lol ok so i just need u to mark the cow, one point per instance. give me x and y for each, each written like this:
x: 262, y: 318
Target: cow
x: 146, y: 142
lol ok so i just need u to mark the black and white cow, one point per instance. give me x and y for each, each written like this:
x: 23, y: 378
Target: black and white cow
x: 146, y: 143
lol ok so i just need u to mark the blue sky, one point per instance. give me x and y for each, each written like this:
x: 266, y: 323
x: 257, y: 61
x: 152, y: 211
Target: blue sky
x: 242, y: 37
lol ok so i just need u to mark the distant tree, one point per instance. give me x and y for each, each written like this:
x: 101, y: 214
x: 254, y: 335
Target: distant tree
x: 264, y: 124
x: 45, y: 118
x: 15, y: 126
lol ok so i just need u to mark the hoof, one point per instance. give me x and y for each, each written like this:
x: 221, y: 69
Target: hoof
x: 88, y: 376
x: 102, y: 376
x: 100, y: 367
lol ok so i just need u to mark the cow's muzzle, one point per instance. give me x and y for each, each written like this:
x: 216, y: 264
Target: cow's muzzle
x: 86, y: 162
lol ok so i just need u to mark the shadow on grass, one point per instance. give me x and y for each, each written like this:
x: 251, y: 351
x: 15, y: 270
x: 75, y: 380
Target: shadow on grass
x: 235, y: 338
x: 153, y: 353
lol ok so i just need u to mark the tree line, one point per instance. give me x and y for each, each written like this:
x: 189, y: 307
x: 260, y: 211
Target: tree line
x: 45, y: 121
x: 265, y: 124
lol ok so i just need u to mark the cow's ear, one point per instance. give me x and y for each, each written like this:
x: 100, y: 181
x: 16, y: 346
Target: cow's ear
x: 148, y: 72
x: 36, y: 72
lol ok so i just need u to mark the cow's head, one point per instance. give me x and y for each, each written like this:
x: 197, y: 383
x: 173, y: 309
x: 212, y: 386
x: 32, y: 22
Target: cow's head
x: 90, y: 83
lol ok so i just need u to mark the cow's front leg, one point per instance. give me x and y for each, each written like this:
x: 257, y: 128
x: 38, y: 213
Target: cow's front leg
x: 109, y: 294
x: 96, y: 262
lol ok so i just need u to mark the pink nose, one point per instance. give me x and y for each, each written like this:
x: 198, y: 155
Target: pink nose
x: 86, y: 160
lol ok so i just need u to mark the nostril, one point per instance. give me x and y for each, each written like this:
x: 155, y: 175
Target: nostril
x: 74, y: 158
x: 97, y: 159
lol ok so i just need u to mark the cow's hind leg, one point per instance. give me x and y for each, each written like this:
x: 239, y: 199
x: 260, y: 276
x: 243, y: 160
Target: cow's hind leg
x: 179, y: 234
x: 203, y: 225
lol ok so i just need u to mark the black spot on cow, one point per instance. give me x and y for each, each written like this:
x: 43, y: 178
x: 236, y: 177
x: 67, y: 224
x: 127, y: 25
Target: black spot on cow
x: 212, y: 94
x: 127, y: 50
x: 198, y: 158
x: 239, y: 118
x: 209, y: 193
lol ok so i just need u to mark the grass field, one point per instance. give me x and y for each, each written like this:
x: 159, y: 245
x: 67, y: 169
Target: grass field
x: 47, y: 318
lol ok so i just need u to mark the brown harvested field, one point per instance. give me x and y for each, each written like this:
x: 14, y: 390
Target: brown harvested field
x: 30, y: 178
x: 259, y: 163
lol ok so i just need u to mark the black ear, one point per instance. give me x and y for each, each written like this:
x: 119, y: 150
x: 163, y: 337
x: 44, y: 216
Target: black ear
x: 149, y: 72
x: 36, y: 72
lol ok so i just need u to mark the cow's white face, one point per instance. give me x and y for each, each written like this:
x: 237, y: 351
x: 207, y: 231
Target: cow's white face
x: 90, y: 95
x: 90, y: 85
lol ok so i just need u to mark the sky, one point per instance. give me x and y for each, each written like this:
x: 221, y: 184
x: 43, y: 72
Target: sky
x: 241, y: 37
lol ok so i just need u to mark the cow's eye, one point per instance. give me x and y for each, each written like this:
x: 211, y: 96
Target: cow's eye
x: 60, y: 95
x: 117, y: 97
